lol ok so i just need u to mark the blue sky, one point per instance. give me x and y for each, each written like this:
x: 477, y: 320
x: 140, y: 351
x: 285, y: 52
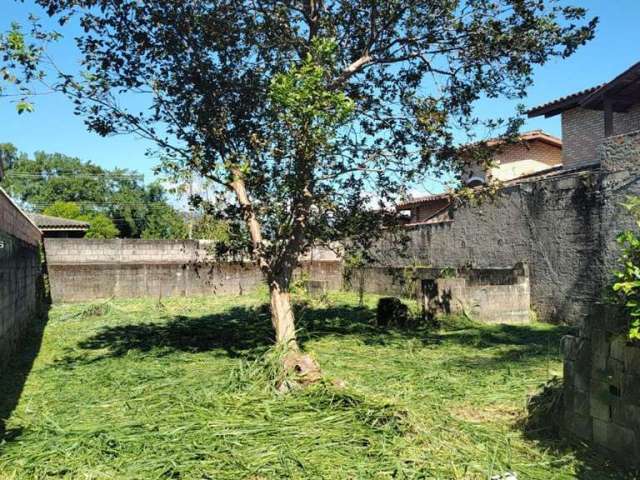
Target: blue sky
x: 54, y: 128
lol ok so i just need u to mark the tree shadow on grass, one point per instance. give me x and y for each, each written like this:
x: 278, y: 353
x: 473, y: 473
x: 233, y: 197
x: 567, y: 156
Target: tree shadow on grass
x: 247, y: 332
x: 236, y: 332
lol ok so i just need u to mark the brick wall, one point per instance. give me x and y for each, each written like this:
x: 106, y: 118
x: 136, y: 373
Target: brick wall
x: 21, y: 292
x: 534, y: 150
x: 583, y: 133
x: 86, y: 270
x: 428, y: 209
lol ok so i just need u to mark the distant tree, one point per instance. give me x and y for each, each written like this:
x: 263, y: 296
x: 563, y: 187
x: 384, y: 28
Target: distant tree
x: 63, y: 209
x: 207, y: 227
x: 315, y: 114
x: 101, y: 226
x: 8, y: 156
x: 164, y: 222
x: 51, y: 181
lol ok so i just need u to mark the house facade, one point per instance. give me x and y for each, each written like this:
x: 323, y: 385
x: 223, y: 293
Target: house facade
x: 535, y: 152
x: 590, y: 116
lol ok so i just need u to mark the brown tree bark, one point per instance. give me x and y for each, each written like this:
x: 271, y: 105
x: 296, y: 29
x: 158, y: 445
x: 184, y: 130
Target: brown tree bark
x: 282, y: 316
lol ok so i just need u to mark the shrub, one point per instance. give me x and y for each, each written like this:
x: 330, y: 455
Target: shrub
x: 626, y: 287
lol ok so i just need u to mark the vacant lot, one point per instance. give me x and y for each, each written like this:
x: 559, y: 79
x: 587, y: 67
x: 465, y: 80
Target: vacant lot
x: 179, y: 389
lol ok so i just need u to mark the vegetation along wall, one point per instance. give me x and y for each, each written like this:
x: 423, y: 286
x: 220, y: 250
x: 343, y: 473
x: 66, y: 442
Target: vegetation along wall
x: 21, y: 286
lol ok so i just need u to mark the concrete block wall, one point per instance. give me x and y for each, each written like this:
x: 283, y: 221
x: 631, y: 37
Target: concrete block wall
x: 563, y: 227
x: 21, y: 290
x: 83, y: 270
x: 487, y: 295
x: 602, y: 386
x: 547, y: 225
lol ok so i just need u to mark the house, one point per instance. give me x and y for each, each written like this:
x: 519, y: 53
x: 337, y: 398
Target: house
x: 59, y: 227
x: 590, y: 116
x: 535, y: 152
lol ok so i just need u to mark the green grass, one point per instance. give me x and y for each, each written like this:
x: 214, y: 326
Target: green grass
x: 179, y: 390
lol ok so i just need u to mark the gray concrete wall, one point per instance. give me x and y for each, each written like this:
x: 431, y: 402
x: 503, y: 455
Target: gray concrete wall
x: 86, y: 270
x: 562, y: 227
x: 486, y: 295
x: 21, y: 287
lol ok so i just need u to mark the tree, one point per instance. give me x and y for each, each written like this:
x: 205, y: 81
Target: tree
x: 314, y: 114
x: 63, y: 209
x: 207, y: 227
x: 163, y: 222
x: 50, y: 181
x: 100, y: 226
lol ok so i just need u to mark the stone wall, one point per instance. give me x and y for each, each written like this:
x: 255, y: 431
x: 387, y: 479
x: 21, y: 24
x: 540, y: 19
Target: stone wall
x: 21, y: 287
x: 86, y: 270
x: 602, y: 386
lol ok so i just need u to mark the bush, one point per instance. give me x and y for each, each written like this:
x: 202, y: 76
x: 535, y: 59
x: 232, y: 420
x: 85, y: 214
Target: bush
x: 627, y: 280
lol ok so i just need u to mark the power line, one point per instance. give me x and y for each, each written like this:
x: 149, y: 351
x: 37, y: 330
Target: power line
x: 46, y: 176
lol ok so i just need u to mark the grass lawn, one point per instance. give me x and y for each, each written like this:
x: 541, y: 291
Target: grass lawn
x: 177, y: 389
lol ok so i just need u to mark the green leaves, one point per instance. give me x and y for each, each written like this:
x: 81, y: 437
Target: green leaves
x: 627, y: 285
x: 23, y: 106
x: 302, y: 93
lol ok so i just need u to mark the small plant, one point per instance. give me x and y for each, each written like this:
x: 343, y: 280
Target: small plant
x: 354, y: 262
x: 300, y: 285
x: 626, y: 287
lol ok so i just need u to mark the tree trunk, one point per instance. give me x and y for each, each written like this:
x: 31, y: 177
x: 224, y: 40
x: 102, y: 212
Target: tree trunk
x: 282, y: 316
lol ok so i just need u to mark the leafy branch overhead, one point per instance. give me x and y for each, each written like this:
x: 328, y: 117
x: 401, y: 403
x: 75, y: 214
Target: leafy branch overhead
x: 313, y: 116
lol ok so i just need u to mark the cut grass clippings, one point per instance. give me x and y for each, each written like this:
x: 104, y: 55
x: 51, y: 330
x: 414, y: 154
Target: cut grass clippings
x: 135, y: 390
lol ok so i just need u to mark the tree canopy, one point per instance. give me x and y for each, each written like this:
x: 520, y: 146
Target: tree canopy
x: 101, y: 226
x: 315, y: 114
x: 68, y: 187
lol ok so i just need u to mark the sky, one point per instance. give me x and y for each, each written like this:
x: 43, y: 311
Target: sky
x: 54, y: 128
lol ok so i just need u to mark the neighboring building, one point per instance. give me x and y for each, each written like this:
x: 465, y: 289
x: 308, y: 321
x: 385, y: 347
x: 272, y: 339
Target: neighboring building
x: 428, y: 209
x: 536, y: 152
x: 592, y: 115
x: 55, y: 227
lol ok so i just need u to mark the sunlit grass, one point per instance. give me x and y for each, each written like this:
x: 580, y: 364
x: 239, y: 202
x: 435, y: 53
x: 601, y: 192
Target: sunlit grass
x: 180, y: 389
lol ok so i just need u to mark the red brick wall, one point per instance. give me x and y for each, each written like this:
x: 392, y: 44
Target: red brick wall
x: 583, y: 133
x: 535, y: 150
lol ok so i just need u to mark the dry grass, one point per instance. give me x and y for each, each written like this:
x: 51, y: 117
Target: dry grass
x: 183, y: 391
